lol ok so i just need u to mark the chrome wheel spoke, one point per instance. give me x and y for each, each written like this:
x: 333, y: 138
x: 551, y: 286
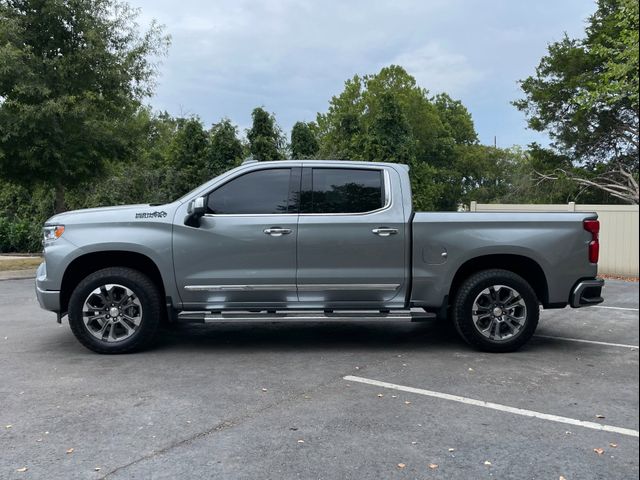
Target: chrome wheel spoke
x: 133, y: 321
x: 104, y: 329
x: 513, y: 301
x: 489, y: 330
x: 112, y: 333
x: 512, y: 323
x: 128, y: 327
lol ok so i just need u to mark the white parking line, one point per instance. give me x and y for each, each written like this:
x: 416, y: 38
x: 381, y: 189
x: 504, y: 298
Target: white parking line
x: 615, y: 308
x: 623, y: 345
x: 494, y: 406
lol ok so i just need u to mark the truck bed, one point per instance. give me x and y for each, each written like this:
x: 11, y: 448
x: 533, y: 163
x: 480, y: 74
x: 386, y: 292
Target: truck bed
x: 444, y: 243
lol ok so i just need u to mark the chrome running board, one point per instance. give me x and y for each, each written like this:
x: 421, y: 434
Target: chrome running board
x: 237, y: 316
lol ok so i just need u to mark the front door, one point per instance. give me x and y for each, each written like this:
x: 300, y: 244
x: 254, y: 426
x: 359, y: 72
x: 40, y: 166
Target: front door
x: 243, y: 255
x: 351, y: 239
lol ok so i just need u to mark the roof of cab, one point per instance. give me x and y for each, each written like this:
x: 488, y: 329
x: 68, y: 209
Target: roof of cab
x: 324, y: 163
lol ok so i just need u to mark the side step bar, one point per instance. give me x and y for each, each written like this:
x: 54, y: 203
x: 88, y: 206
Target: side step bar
x: 414, y: 315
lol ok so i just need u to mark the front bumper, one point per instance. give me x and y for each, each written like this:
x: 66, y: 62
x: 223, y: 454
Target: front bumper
x: 48, y: 299
x: 587, y: 293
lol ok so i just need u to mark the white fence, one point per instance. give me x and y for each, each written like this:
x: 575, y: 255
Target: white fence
x: 618, y: 231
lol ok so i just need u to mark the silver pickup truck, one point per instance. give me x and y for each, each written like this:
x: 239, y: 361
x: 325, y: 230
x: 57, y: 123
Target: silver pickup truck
x: 296, y: 240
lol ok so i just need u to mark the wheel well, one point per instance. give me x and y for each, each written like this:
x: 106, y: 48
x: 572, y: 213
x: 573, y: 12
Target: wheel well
x: 518, y: 264
x: 92, y: 262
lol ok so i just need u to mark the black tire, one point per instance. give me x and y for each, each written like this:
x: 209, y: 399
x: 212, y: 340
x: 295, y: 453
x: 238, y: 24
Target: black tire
x: 147, y: 294
x: 472, y: 288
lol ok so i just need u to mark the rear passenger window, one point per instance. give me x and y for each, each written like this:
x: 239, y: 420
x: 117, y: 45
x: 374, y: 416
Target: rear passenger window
x: 344, y: 190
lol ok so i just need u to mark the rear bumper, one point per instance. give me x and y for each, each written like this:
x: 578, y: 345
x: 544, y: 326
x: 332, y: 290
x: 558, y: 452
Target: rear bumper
x: 586, y: 293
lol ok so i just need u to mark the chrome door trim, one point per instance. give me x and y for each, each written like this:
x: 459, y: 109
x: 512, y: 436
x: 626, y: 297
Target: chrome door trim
x: 238, y: 288
x: 282, y: 286
x: 349, y: 286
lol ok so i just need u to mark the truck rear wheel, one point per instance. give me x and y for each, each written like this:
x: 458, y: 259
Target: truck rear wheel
x: 496, y: 311
x: 115, y: 310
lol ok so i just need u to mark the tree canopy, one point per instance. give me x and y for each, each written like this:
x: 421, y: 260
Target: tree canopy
x: 73, y: 75
x: 585, y: 95
x: 304, y: 144
x: 387, y: 117
x: 266, y: 141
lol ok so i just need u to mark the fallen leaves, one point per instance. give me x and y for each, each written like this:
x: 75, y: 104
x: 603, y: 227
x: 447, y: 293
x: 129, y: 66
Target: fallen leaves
x: 599, y: 451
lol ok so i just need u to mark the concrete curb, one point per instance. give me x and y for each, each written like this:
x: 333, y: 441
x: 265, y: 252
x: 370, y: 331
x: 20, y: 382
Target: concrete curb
x: 18, y: 274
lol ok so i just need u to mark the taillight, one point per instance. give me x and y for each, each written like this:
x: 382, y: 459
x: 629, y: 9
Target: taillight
x: 593, y: 227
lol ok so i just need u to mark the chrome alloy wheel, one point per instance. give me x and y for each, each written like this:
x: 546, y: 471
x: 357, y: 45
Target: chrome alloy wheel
x: 499, y: 313
x: 112, y: 313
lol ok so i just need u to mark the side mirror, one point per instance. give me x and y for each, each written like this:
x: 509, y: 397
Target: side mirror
x: 195, y: 210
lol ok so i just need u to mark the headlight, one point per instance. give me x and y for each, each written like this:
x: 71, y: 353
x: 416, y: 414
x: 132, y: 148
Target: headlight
x: 52, y: 232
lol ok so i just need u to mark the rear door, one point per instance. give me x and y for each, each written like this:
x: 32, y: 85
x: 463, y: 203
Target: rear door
x: 351, y: 238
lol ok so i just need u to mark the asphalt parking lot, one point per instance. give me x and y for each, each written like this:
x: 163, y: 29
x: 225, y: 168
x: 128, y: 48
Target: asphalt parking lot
x: 270, y: 401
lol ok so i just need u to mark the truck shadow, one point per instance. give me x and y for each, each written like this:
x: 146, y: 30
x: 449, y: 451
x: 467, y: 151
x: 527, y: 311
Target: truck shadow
x: 292, y: 335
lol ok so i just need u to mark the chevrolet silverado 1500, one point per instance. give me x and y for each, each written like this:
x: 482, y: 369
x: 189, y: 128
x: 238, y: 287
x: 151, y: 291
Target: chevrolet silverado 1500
x: 312, y: 240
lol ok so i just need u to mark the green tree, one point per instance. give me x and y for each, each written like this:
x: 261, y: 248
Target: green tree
x: 266, y: 141
x: 187, y: 157
x: 225, y: 149
x: 73, y: 74
x: 388, y: 117
x: 456, y: 119
x: 388, y: 136
x: 304, y: 143
x: 585, y: 95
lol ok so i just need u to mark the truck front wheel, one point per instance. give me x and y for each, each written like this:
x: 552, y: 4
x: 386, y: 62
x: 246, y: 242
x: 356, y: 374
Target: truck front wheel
x: 496, y: 311
x: 115, y: 310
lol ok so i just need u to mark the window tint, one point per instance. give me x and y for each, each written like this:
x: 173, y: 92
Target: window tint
x: 344, y: 190
x: 258, y: 192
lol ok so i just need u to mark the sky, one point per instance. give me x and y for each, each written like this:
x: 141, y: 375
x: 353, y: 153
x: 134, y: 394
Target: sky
x: 291, y: 57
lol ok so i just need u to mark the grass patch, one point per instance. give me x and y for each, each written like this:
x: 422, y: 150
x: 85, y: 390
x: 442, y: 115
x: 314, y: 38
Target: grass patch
x: 19, y: 263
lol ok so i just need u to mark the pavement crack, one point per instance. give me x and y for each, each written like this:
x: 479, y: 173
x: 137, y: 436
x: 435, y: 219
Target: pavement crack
x: 226, y: 424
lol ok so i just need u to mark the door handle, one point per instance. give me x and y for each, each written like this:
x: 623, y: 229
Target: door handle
x: 384, y: 231
x: 277, y: 231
